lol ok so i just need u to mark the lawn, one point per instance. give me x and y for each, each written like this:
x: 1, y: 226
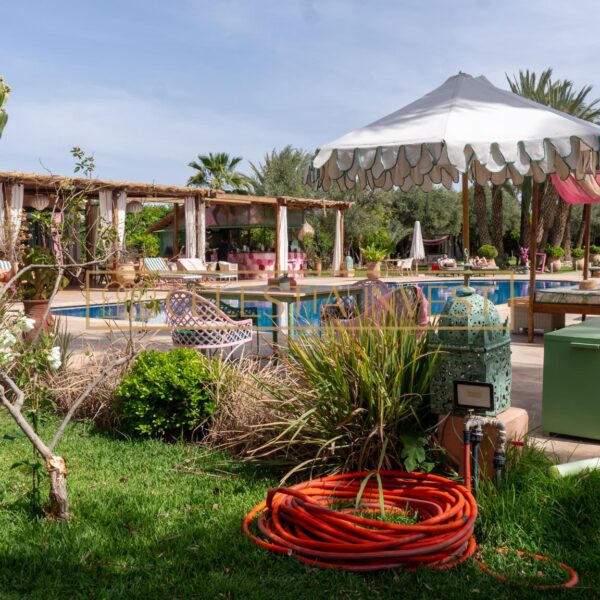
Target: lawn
x: 153, y: 520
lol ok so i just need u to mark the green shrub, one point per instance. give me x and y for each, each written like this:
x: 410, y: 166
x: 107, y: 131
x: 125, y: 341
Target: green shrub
x: 146, y: 244
x: 555, y: 252
x: 578, y: 253
x: 166, y: 394
x: 594, y: 249
x: 487, y: 251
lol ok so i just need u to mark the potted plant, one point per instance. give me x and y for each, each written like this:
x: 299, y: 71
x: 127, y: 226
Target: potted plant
x: 36, y: 285
x: 555, y: 253
x: 373, y: 255
x: 595, y: 255
x: 488, y: 252
x: 578, y: 254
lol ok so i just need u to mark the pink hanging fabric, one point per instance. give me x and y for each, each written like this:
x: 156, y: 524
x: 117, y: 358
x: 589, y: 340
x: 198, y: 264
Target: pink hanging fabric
x: 573, y: 193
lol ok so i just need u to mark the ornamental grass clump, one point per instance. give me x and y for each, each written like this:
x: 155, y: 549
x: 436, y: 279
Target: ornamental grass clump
x: 352, y: 397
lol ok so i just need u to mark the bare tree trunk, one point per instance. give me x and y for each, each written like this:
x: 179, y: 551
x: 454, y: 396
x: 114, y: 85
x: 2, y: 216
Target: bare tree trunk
x: 566, y: 241
x: 526, y: 212
x: 548, y: 208
x: 563, y: 213
x: 480, y: 206
x: 498, y: 222
x: 59, y: 499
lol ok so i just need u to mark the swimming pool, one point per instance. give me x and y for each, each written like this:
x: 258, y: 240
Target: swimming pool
x: 307, y: 312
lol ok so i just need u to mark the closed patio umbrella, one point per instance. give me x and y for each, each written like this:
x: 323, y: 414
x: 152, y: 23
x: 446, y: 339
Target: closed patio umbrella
x: 417, y: 248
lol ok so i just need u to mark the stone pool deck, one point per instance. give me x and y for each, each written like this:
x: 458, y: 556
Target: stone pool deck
x: 527, y: 359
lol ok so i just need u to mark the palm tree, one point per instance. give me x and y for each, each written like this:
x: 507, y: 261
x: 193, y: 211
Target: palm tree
x: 560, y: 94
x: 217, y: 171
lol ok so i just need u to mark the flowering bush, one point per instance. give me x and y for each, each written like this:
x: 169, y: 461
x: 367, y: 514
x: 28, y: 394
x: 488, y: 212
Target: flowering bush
x: 524, y: 254
x: 12, y: 343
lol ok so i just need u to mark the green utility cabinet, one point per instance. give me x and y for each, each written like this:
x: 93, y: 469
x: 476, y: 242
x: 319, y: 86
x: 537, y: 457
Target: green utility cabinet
x: 571, y: 403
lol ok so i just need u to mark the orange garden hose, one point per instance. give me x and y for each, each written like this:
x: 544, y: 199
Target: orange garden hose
x: 318, y: 523
x: 315, y: 522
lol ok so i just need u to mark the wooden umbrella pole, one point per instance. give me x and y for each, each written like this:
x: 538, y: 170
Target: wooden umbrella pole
x: 587, y: 217
x: 535, y: 200
x: 465, y: 207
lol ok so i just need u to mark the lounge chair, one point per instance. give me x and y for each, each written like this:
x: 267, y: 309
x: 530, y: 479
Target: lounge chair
x: 405, y: 264
x: 208, y: 271
x: 5, y: 269
x: 159, y: 268
x: 196, y: 322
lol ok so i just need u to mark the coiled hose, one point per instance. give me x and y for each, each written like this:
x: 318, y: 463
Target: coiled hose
x: 317, y: 522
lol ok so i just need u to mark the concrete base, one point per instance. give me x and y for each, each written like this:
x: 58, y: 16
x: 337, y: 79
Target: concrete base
x: 450, y: 436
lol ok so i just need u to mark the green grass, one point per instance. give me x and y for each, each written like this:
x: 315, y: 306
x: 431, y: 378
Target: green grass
x: 153, y: 520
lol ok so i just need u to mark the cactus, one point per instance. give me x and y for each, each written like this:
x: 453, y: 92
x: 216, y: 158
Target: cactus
x: 4, y: 92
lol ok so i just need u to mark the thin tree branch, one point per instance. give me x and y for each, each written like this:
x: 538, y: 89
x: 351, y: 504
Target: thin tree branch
x: 90, y: 388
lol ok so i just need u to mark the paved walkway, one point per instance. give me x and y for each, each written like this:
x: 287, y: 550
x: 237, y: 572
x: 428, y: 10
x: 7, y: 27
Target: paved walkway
x: 527, y: 359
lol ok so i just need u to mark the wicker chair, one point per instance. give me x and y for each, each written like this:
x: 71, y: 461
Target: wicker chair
x: 196, y: 322
x: 346, y: 307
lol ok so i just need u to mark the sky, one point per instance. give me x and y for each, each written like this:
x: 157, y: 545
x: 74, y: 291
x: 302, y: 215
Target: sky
x: 145, y: 86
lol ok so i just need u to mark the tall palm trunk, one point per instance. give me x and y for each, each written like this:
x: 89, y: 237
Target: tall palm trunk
x: 498, y: 221
x: 548, y: 208
x: 480, y: 206
x: 561, y: 223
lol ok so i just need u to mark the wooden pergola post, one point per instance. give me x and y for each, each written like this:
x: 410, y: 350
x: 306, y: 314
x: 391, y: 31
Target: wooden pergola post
x: 277, y: 225
x: 535, y: 201
x: 176, y: 230
x: 341, y: 266
x: 115, y: 224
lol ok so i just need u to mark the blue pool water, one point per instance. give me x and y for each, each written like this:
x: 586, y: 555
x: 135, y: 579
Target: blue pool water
x: 307, y: 312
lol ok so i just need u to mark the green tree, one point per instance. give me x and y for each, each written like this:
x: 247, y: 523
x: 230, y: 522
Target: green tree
x: 218, y: 171
x: 553, y: 224
x: 4, y: 92
x: 282, y: 174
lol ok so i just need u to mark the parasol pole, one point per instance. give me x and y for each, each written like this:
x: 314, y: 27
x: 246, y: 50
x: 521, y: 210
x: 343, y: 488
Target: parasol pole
x: 587, y: 219
x: 465, y: 207
x: 535, y: 200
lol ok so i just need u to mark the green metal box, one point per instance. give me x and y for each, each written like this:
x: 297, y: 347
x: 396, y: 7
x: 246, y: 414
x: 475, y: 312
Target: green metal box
x: 571, y: 397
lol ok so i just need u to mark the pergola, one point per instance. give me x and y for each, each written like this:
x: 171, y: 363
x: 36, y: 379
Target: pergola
x: 19, y: 190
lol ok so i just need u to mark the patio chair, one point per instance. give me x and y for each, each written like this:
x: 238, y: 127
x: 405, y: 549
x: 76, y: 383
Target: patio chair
x: 196, y: 322
x: 349, y: 307
x: 405, y: 264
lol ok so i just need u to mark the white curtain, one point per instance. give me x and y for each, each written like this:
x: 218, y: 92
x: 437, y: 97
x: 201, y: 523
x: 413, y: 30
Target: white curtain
x: 201, y: 233
x: 106, y: 208
x: 121, y: 213
x: 338, y: 251
x: 190, y: 227
x: 282, y: 239
x: 10, y: 223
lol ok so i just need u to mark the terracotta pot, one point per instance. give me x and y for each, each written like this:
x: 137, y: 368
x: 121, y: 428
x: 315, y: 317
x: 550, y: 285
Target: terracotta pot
x: 126, y: 274
x: 36, y: 309
x: 491, y: 262
x: 579, y: 264
x: 318, y: 266
x: 374, y: 270
x: 595, y: 259
x: 555, y: 265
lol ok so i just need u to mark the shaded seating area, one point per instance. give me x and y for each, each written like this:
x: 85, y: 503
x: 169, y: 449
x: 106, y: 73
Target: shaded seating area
x: 196, y: 322
x: 158, y: 267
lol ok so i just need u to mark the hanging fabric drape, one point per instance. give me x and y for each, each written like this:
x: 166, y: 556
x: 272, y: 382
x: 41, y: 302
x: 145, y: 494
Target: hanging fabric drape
x: 11, y: 209
x: 282, y: 239
x: 201, y: 234
x: 121, y: 213
x: 190, y: 227
x: 106, y: 208
x: 338, y: 251
x: 417, y: 250
x: 586, y: 191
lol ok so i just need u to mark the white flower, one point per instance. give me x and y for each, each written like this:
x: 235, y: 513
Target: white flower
x: 6, y: 355
x: 54, y: 358
x: 7, y: 339
x: 25, y: 324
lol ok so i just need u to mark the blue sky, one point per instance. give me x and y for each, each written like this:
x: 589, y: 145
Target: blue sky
x: 147, y: 85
